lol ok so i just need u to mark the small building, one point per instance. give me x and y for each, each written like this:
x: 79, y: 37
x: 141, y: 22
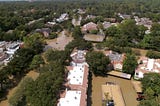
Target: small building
x: 3, y: 56
x: 12, y: 48
x: 144, y: 21
x: 124, y: 16
x: 116, y: 59
x: 63, y: 17
x: 90, y: 17
x: 106, y: 25
x: 44, y: 31
x: 78, y: 56
x: 89, y: 27
x: 81, y: 11
x: 147, y: 65
x: 94, y: 37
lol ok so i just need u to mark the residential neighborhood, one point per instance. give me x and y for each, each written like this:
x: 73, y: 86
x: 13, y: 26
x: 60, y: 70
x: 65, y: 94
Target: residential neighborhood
x: 79, y: 53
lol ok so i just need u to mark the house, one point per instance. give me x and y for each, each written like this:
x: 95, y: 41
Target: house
x: 116, y: 59
x: 124, y: 16
x: 12, y: 48
x: 144, y: 21
x: 147, y: 65
x: 3, y: 56
x: 77, y: 82
x: 78, y: 56
x: 89, y: 27
x: 63, y: 17
x: 112, y: 20
x: 81, y: 11
x: 50, y: 24
x: 106, y: 25
x: 90, y: 17
x: 2, y: 45
x: 44, y: 31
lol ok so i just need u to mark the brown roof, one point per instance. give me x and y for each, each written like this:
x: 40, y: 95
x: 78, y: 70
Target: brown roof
x: 89, y: 26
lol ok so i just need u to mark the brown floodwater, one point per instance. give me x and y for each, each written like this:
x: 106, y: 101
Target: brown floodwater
x: 128, y: 91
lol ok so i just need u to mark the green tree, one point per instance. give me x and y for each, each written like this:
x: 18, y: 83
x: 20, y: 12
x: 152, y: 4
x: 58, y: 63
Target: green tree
x: 36, y: 61
x: 18, y: 97
x: 151, y: 80
x: 155, y: 29
x: 77, y: 32
x: 20, y: 62
x: 45, y: 90
x: 98, y: 62
x: 53, y: 35
x: 34, y: 42
x: 153, y: 54
x: 129, y: 29
x: 129, y: 64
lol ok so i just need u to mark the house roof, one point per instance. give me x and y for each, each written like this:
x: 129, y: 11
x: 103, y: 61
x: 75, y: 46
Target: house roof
x: 77, y: 82
x: 89, y: 26
x: 94, y: 37
x: 147, y: 65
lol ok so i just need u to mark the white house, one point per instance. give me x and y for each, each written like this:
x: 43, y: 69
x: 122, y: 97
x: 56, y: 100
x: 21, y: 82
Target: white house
x: 147, y: 65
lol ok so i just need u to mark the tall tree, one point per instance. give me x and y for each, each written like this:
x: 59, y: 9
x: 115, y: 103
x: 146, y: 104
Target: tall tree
x: 34, y: 42
x: 98, y: 62
x: 129, y: 64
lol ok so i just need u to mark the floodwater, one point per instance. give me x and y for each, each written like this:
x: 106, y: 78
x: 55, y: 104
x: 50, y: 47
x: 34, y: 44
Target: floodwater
x: 60, y: 42
x: 31, y: 74
x: 128, y: 91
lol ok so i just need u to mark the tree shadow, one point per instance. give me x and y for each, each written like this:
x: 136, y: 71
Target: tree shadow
x: 89, y: 91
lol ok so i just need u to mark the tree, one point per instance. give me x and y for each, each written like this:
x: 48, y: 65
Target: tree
x: 153, y: 54
x: 141, y: 31
x: 129, y: 28
x: 55, y: 55
x: 18, y: 97
x: 151, y: 81
x: 45, y: 90
x: 77, y: 32
x: 155, y: 29
x: 112, y: 31
x: 34, y: 42
x: 150, y: 85
x: 36, y: 61
x: 21, y: 60
x: 129, y: 64
x: 53, y: 35
x: 98, y: 62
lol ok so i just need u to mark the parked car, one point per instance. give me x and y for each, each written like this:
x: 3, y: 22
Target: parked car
x: 140, y: 96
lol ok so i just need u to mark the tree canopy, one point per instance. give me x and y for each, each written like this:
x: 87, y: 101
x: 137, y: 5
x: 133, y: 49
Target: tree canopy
x: 150, y: 85
x: 129, y: 64
x: 98, y: 62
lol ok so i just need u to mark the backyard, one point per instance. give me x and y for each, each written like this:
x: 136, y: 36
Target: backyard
x: 128, y: 91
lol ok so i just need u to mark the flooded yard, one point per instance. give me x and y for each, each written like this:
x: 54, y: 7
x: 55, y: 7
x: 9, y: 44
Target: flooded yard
x: 59, y: 43
x: 128, y: 91
x: 31, y: 74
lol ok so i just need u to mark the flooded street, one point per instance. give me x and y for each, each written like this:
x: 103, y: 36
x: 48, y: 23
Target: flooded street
x: 128, y: 91
x: 60, y: 42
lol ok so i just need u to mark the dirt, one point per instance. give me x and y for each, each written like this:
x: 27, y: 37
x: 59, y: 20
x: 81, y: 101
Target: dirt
x: 126, y: 86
